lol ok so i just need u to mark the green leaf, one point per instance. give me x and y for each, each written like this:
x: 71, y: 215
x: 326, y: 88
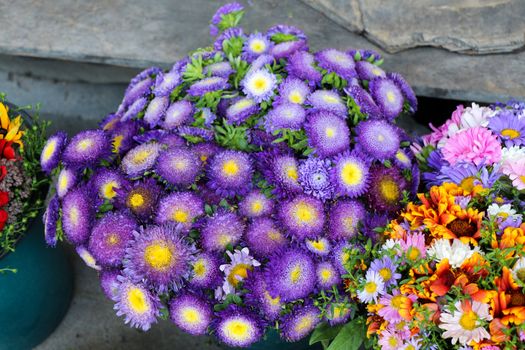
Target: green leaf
x: 350, y: 337
x: 324, y: 332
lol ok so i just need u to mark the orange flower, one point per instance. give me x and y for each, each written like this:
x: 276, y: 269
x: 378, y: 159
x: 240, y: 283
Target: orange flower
x: 511, y: 237
x: 510, y: 301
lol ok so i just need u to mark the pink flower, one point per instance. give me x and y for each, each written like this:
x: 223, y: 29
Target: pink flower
x: 414, y: 246
x: 477, y: 145
x: 396, y: 306
x: 516, y: 172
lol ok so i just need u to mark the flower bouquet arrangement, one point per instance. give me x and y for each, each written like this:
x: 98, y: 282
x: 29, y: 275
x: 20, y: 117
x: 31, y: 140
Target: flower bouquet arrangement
x: 223, y: 193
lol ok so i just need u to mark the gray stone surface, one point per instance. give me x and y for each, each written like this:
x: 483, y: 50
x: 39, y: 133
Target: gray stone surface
x: 468, y: 26
x: 137, y: 34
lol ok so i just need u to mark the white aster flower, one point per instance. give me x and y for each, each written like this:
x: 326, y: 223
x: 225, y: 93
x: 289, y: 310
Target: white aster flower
x: 373, y: 287
x: 464, y: 324
x: 236, y: 271
x: 518, y: 271
x: 503, y: 211
x: 391, y: 245
x: 456, y: 253
x: 259, y: 85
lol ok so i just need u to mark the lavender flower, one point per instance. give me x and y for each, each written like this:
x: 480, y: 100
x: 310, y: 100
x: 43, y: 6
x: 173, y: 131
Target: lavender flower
x: 314, y: 177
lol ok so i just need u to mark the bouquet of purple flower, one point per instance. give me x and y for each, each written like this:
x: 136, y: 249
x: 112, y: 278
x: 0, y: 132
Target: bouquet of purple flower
x: 223, y: 193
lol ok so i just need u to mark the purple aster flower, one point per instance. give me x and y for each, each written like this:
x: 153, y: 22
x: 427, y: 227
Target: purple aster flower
x: 178, y: 114
x: 259, y: 297
x: 87, y: 257
x: 285, y: 116
x: 303, y: 217
x: 327, y: 275
x: 260, y: 62
x: 230, y: 173
x: 290, y: 274
x: 140, y: 159
x: 255, y: 204
x: 328, y: 100
x: 288, y: 48
x: 109, y: 283
x: 369, y: 71
x: 386, y: 188
x: 109, y: 122
x: 159, y: 256
x: 203, y: 134
x: 52, y: 151
x: 509, y: 128
x: 178, y: 166
x: 260, y: 138
x: 140, y: 77
x: 110, y: 236
x: 137, y: 304
x: 67, y: 179
x: 404, y: 158
x: 257, y: 44
x: 219, y: 69
x: 180, y: 208
x: 208, y: 117
x: 165, y: 83
x: 191, y: 313
x: 107, y: 182
x: 364, y: 54
x: 350, y: 174
x: 228, y: 34
x: 386, y: 268
x: 180, y: 65
x: 301, y: 65
x: 206, y: 273
x: 238, y: 327
x: 87, y: 148
x: 405, y: 88
x: 170, y: 139
x: 327, y: 133
x: 241, y: 109
x: 207, y: 85
x: 280, y: 170
x: 300, y: 322
x: 50, y: 219
x: 293, y: 90
x: 259, y: 85
x: 141, y: 198
x: 378, y: 138
x: 387, y: 96
x: 289, y: 32
x: 346, y: 216
x: 205, y: 150
x: 314, y: 177
x: 341, y: 255
x: 319, y: 246
x: 336, y: 61
x: 338, y: 313
x: 263, y: 237
x: 231, y: 7
x: 77, y: 215
x: 156, y: 110
x: 137, y: 90
x: 134, y: 109
x: 220, y: 230
x: 123, y: 137
x: 364, y: 101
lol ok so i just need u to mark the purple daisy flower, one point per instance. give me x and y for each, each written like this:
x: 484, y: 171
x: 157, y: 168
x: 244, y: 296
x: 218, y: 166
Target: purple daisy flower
x: 319, y: 246
x: 314, y: 177
x: 77, y: 215
x: 156, y: 110
x: 220, y: 230
x: 255, y: 204
x: 207, y: 85
x: 134, y: 109
x: 107, y: 182
x: 180, y: 208
x: 405, y: 88
x: 300, y: 322
x: 328, y: 100
x: 346, y: 216
x: 350, y: 174
x: 303, y: 217
x: 327, y: 275
x: 109, y: 283
x: 87, y: 148
x: 263, y: 237
x: 336, y: 61
x: 386, y: 268
x: 288, y: 48
x: 178, y: 166
x: 137, y: 304
x: 191, y: 313
x: 369, y: 71
x: 230, y: 173
x: 301, y: 65
x: 159, y: 256
x: 378, y: 138
x: 50, y: 219
x: 122, y: 138
x: 231, y: 7
x: 387, y: 96
x: 259, y: 297
x: 52, y: 151
x: 206, y: 273
x: 280, y: 170
x: 293, y: 90
x: 109, y: 238
x: 227, y: 35
x: 178, y: 114
x: 241, y: 109
x: 290, y: 274
x: 364, y: 101
x: 140, y: 159
x: 87, y: 257
x: 219, y: 69
x: 238, y: 327
x: 290, y: 32
x: 508, y: 128
x: 327, y: 133
x: 259, y: 85
x: 67, y: 179
x: 257, y: 44
x: 285, y: 116
x: 165, y: 83
x: 386, y: 188
x: 140, y: 198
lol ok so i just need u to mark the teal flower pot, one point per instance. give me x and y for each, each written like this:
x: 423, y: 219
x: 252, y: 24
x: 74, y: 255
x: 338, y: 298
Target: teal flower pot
x: 272, y: 341
x: 34, y: 300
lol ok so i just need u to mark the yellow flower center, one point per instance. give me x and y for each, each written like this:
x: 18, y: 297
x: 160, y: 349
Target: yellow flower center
x: 238, y: 273
x: 413, y: 253
x: 385, y: 273
x: 137, y: 300
x: 295, y: 274
x: 84, y: 144
x: 304, y: 213
x: 180, y: 164
x: 291, y: 172
x: 224, y: 240
x: 117, y: 142
x: 351, y: 174
x: 237, y: 329
x: 257, y: 207
x: 510, y: 133
x: 348, y: 223
x: 345, y: 257
x: 376, y: 71
x: 304, y: 324
x: 260, y: 84
x: 180, y: 215
x: 73, y: 215
x: 50, y: 149
x: 330, y: 99
x: 401, y: 156
x: 62, y: 182
x: 273, y: 301
x: 243, y: 104
x: 230, y: 168
x: 158, y: 255
x: 380, y: 138
x: 467, y: 183
x: 190, y: 315
x: 330, y: 132
x: 371, y: 287
x: 112, y: 239
x: 108, y: 189
x: 274, y: 235
x: 397, y: 301
x: 326, y: 274
x: 410, y: 347
x: 389, y: 190
x: 141, y: 156
x: 199, y: 268
x: 257, y: 46
x: 503, y: 214
x: 390, y: 96
x: 522, y: 178
x: 295, y: 97
x: 392, y: 341
x: 520, y: 273
x: 468, y: 320
x: 136, y: 200
x: 318, y: 245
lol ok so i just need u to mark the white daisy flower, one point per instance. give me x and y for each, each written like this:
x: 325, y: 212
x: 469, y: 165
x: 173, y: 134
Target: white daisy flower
x: 475, y: 116
x: 374, y: 286
x: 510, y: 155
x: 456, y: 253
x: 391, y: 244
x: 504, y: 211
x: 518, y: 271
x: 236, y: 271
x: 259, y: 85
x: 464, y: 324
